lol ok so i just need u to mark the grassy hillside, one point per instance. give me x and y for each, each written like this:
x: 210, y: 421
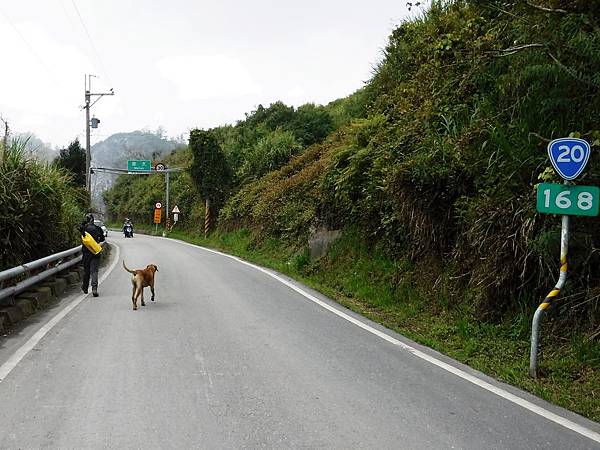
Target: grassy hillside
x: 445, y: 165
x: 430, y: 171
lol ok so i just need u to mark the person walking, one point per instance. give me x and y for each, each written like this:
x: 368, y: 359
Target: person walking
x: 91, y: 261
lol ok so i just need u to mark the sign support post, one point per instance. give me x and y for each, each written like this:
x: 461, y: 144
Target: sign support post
x: 569, y: 157
x: 157, y: 216
x: 167, y: 182
x: 550, y: 298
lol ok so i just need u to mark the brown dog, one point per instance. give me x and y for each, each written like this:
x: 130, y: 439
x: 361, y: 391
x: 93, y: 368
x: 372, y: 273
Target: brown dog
x: 141, y: 278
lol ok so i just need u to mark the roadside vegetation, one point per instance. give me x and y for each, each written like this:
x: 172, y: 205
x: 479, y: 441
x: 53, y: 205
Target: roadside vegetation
x: 430, y: 173
x: 40, y: 207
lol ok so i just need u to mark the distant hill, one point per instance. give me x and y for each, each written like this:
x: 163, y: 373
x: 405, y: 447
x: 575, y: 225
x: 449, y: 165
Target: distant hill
x: 114, y: 152
x: 35, y: 147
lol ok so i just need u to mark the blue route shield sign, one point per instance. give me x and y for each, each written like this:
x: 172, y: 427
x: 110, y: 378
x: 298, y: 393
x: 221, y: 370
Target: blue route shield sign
x: 569, y: 156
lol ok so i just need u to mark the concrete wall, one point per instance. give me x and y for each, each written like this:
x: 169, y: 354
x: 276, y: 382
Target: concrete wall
x: 320, y: 240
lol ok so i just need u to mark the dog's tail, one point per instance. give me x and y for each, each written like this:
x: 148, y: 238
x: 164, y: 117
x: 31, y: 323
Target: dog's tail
x: 128, y: 270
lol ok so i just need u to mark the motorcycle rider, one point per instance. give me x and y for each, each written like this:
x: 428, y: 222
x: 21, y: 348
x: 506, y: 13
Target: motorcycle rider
x: 128, y: 228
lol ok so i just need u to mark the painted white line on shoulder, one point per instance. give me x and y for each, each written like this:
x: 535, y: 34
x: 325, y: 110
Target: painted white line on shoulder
x: 419, y: 354
x: 16, y: 357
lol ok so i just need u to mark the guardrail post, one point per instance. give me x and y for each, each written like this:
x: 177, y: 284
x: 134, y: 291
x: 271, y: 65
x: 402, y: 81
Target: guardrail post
x: 550, y: 298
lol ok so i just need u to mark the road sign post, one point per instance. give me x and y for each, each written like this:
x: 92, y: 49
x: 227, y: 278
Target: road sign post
x: 167, y: 192
x: 157, y: 215
x: 569, y: 157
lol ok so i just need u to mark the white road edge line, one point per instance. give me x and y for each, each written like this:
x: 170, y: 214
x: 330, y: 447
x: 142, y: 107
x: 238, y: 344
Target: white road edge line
x: 419, y: 354
x: 16, y: 358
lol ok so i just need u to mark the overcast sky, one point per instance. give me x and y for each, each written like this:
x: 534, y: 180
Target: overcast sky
x: 180, y: 64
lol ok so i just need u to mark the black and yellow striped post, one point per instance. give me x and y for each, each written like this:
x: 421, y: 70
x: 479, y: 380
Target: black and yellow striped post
x: 206, y: 218
x: 550, y: 298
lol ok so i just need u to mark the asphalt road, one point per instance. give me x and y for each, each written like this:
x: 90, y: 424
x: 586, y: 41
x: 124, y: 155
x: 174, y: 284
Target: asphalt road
x: 230, y: 357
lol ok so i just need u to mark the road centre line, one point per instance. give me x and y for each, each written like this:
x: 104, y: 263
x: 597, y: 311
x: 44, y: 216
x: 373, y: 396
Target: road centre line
x: 22, y: 351
x: 549, y: 415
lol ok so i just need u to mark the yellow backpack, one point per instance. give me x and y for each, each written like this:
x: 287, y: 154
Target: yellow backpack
x: 91, y: 243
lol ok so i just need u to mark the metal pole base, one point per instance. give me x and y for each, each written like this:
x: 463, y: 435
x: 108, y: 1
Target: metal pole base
x: 535, y: 335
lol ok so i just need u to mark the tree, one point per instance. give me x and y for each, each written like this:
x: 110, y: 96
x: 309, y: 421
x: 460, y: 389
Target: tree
x: 311, y: 124
x: 209, y: 170
x: 277, y: 115
x: 72, y: 158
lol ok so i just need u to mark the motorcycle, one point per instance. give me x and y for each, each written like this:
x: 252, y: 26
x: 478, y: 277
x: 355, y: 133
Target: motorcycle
x: 128, y: 231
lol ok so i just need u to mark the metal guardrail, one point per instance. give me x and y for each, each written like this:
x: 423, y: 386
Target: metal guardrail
x: 63, y: 260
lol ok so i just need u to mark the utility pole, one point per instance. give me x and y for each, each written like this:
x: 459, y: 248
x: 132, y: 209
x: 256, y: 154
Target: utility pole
x: 88, y: 156
x: 167, y: 181
x: 88, y: 96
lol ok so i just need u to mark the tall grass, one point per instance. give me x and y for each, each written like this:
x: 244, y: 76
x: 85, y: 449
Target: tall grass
x: 39, y: 207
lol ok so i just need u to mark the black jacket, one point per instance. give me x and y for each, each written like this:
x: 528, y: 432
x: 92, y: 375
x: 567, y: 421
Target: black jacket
x: 96, y: 232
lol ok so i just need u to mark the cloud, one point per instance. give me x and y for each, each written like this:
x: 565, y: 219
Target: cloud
x: 204, y: 77
x: 297, y: 92
x: 41, y: 75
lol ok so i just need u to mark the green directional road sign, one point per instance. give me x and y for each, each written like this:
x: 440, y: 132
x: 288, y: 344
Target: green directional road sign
x: 138, y: 165
x: 568, y: 200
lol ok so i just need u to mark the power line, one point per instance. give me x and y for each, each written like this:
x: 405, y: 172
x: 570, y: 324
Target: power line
x: 31, y: 49
x: 70, y: 20
x: 92, y: 42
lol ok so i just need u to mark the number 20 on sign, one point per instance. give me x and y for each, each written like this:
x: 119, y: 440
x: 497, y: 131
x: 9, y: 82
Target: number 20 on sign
x: 569, y: 156
x: 569, y: 200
